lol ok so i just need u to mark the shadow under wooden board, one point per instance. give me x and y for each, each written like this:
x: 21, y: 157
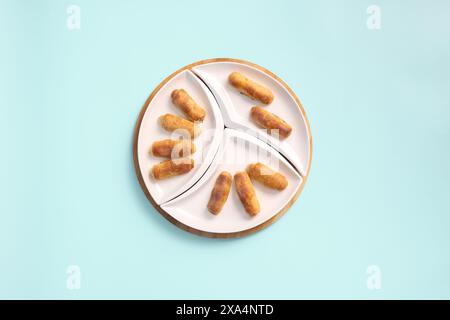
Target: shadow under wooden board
x: 182, y: 200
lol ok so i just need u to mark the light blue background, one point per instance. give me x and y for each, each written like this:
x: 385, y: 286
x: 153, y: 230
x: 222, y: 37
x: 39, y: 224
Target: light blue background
x: 379, y: 188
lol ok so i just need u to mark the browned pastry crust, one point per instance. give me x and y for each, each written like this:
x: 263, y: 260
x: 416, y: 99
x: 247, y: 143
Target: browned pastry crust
x: 184, y: 101
x: 169, y: 148
x: 219, y: 193
x: 246, y: 193
x: 171, y: 122
x: 268, y: 177
x: 270, y: 121
x: 172, y: 168
x: 250, y: 88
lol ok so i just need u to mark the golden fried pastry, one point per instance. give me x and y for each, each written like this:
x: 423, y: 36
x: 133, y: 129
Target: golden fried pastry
x: 183, y: 100
x: 246, y: 193
x: 268, y: 177
x: 169, y: 148
x: 250, y: 88
x: 171, y: 122
x: 270, y: 121
x: 219, y: 193
x: 172, y: 168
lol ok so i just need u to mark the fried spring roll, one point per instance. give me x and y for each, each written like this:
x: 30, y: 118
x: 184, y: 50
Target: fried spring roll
x: 183, y: 100
x: 171, y: 122
x: 270, y: 121
x: 246, y: 193
x: 172, y: 168
x: 169, y: 148
x: 250, y: 88
x: 219, y: 193
x: 268, y: 177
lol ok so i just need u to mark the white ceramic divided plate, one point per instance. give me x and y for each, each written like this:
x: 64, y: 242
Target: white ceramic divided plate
x: 151, y: 131
x: 229, y: 141
x: 235, y: 108
x: 236, y: 151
